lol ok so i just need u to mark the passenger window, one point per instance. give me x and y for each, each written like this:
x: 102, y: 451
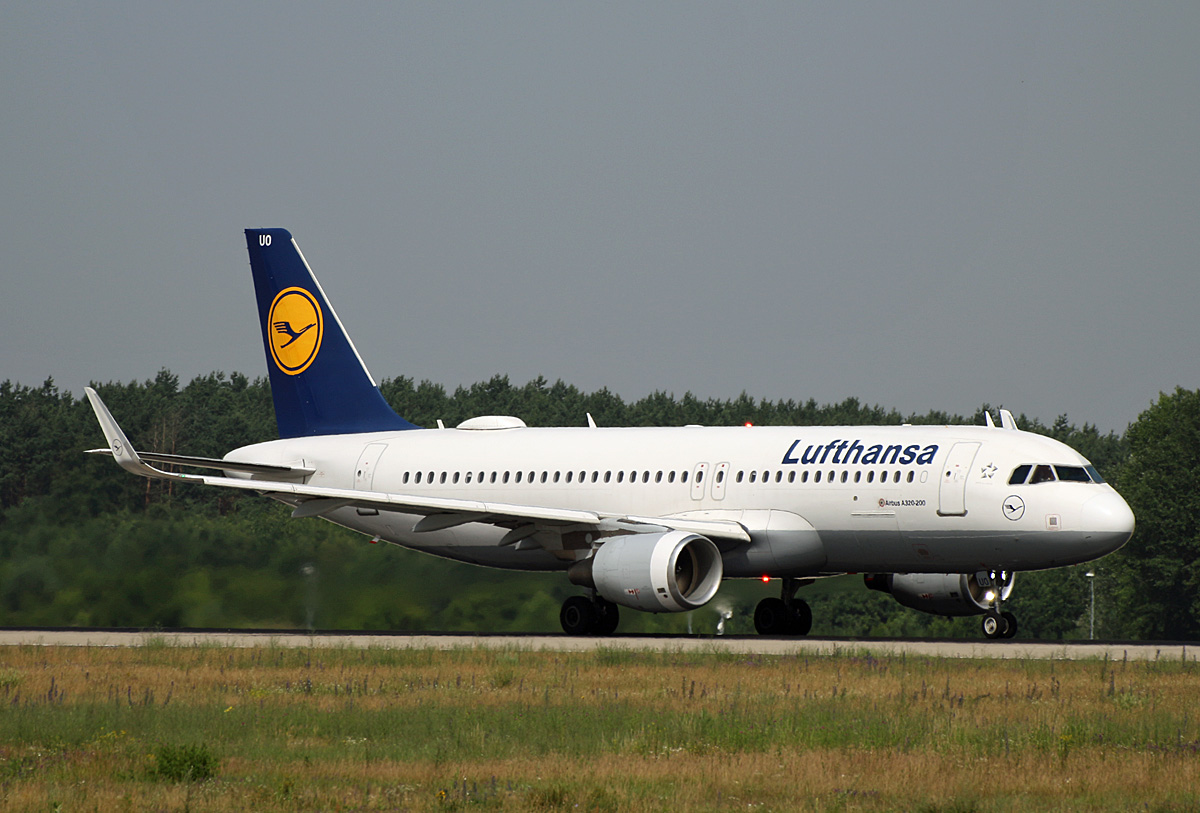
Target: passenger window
x: 595, y: 476
x: 870, y: 476
x: 720, y: 477
x: 569, y: 478
x: 845, y: 474
x: 1072, y: 474
x: 910, y: 476
x: 418, y: 478
x: 683, y: 476
x: 857, y: 476
x: 645, y: 476
x: 830, y: 478
x: 544, y: 477
x: 738, y: 479
x: 607, y: 476
x: 456, y: 478
x: 405, y: 480
x: 671, y: 476
x: 518, y: 477
x: 896, y: 477
x: 505, y: 477
x: 1042, y: 474
x: 779, y: 477
x: 804, y: 476
x: 556, y: 476
x: 1019, y: 475
x: 817, y: 477
x: 658, y: 477
x: 699, y: 477
x: 792, y: 476
x: 620, y: 476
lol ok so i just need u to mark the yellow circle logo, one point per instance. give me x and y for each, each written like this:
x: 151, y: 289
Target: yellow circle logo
x: 296, y: 327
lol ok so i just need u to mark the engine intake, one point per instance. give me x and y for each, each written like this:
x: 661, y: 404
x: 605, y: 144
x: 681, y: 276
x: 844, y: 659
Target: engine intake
x: 944, y: 593
x: 660, y: 573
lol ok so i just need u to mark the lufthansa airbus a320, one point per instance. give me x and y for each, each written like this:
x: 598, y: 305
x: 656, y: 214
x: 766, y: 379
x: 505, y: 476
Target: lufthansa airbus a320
x: 652, y: 519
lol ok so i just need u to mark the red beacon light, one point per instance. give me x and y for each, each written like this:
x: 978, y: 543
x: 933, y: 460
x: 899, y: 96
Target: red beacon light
x: 766, y: 579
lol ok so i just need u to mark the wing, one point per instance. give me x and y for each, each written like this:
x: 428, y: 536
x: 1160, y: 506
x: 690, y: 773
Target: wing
x: 437, y: 513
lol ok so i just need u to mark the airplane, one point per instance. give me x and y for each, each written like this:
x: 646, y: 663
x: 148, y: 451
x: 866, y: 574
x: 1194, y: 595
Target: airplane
x: 653, y: 518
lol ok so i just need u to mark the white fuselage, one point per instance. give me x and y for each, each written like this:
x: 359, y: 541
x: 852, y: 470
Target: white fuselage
x: 815, y: 500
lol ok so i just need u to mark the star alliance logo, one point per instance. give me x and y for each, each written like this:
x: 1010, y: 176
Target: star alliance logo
x: 988, y: 471
x: 296, y: 330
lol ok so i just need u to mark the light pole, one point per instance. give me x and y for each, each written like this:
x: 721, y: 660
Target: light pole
x: 1091, y: 577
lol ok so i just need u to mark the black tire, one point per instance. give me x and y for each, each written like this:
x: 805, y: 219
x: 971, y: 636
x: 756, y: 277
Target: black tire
x: 771, y: 617
x: 606, y: 619
x: 1011, y: 619
x: 994, y: 626
x: 802, y: 618
x: 578, y: 616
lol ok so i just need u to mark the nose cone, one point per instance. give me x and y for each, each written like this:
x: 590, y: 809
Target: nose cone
x: 1109, y: 520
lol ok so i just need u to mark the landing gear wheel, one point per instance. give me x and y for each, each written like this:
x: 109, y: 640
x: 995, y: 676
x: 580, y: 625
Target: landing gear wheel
x: 1011, y: 620
x: 772, y: 617
x: 995, y: 626
x: 801, y: 617
x: 606, y: 617
x: 578, y: 616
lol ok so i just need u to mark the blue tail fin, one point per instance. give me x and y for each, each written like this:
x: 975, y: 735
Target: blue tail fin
x: 318, y: 381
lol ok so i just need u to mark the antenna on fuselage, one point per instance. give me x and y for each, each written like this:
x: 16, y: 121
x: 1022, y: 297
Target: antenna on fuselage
x: 1007, y: 421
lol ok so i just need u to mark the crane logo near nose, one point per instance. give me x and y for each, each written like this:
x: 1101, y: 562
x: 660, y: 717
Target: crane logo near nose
x: 1014, y: 507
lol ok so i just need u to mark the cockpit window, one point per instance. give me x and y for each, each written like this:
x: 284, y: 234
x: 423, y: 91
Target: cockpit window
x: 1072, y: 474
x: 1042, y: 474
x: 1049, y: 474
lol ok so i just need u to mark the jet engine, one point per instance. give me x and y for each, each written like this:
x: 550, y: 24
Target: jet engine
x: 944, y: 593
x: 660, y: 573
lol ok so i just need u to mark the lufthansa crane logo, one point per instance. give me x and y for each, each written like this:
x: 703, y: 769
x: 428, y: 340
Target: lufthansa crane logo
x: 1014, y: 507
x: 295, y: 327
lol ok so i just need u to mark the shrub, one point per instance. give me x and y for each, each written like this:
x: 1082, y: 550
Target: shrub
x: 185, y: 763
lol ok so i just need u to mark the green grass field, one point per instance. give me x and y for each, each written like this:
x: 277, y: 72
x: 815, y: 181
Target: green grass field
x: 198, y: 728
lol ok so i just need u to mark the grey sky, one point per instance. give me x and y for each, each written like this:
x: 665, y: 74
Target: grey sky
x: 927, y: 206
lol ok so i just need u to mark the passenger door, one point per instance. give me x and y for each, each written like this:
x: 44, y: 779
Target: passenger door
x: 952, y: 492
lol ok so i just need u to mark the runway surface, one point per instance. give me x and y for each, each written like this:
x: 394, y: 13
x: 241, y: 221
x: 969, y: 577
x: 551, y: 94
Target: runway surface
x: 749, y: 645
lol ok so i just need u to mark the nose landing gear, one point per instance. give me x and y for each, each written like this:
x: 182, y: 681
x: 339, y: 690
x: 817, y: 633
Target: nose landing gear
x: 998, y: 586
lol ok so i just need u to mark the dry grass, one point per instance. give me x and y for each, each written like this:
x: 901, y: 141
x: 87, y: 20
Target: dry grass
x: 612, y: 730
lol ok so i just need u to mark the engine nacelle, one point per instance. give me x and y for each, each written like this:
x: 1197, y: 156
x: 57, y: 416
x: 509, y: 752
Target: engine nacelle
x: 659, y: 573
x: 944, y: 593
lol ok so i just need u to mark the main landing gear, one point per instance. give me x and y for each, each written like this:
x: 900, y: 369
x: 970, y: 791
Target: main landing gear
x: 786, y: 615
x: 581, y: 615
